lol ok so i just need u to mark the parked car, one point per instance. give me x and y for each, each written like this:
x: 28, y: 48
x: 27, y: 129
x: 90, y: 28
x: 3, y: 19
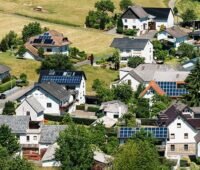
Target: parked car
x: 2, y: 96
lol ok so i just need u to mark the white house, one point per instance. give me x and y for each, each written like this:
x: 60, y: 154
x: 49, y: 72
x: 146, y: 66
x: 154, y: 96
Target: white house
x: 51, y: 42
x: 71, y: 80
x: 144, y: 19
x: 129, y: 47
x: 114, y: 109
x: 31, y: 107
x: 156, y: 78
x: 54, y: 98
x: 173, y: 35
x: 184, y: 136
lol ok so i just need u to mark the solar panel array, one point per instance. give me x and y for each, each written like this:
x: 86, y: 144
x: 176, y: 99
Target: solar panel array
x: 170, y: 88
x: 65, y: 80
x: 43, y: 38
x: 157, y: 132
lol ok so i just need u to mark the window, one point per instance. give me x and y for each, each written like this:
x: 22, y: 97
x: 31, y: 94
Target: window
x: 172, y: 136
x: 48, y: 105
x: 125, y: 20
x: 27, y: 138
x: 129, y: 82
x: 116, y: 116
x: 178, y: 125
x: 125, y: 26
x: 185, y: 135
x: 49, y: 50
x: 34, y: 137
x: 134, y: 27
x: 185, y: 147
x: 172, y: 148
x: 28, y: 113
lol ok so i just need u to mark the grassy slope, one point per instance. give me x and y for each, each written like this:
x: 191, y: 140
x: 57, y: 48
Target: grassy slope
x: 90, y: 40
x: 19, y: 66
x: 93, y: 73
x: 69, y: 11
x: 191, y: 4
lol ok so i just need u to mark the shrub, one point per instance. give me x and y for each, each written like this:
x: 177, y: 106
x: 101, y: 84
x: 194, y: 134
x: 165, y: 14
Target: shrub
x: 130, y: 32
x: 9, y: 108
x: 6, y: 79
x: 133, y: 62
x: 53, y: 118
x: 83, y: 121
x: 80, y: 107
x: 184, y: 163
x: 92, y: 109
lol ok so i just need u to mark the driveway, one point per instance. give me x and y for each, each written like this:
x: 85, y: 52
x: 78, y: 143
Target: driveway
x: 15, y: 95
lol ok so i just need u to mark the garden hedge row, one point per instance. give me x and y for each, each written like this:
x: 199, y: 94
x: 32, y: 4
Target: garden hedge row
x: 8, y: 85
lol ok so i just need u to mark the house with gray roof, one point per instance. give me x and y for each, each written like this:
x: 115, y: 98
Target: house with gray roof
x: 130, y: 47
x: 50, y: 97
x: 4, y: 72
x: 169, y: 80
x: 31, y: 107
x: 114, y: 109
x: 144, y: 19
x: 173, y: 35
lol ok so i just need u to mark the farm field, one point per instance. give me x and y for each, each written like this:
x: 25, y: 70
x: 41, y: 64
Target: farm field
x: 89, y: 40
x: 63, y: 11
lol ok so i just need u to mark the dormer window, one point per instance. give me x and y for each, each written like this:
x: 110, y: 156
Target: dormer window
x: 178, y: 125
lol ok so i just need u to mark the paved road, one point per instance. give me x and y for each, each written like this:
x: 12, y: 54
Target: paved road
x: 15, y: 95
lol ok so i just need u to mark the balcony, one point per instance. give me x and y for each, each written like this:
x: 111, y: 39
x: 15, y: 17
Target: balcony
x: 25, y: 146
x: 161, y: 148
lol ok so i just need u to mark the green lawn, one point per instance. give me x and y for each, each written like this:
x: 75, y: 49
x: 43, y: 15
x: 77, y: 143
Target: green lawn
x: 65, y: 11
x: 183, y: 5
x: 19, y: 66
x: 93, y: 73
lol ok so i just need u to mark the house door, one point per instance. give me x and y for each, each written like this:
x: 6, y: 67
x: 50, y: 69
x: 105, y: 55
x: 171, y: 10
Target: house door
x: 152, y: 25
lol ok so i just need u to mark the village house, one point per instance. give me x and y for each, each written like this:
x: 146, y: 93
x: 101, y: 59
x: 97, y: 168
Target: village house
x: 130, y: 47
x: 4, y: 72
x: 54, y: 99
x: 190, y: 65
x: 51, y: 42
x: 113, y: 109
x: 161, y: 79
x: 145, y: 19
x: 173, y: 35
x: 31, y: 107
x: 71, y: 80
x: 183, y: 126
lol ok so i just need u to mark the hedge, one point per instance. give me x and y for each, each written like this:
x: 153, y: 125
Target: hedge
x: 80, y: 107
x: 92, y: 109
x: 7, y: 86
x: 56, y: 118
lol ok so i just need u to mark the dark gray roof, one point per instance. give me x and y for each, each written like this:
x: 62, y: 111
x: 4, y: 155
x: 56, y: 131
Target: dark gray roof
x: 136, y: 76
x: 55, y: 90
x: 50, y: 133
x: 4, y: 69
x: 159, y: 13
x: 34, y: 104
x: 18, y: 124
x: 129, y: 43
x: 195, y: 109
x: 176, y: 32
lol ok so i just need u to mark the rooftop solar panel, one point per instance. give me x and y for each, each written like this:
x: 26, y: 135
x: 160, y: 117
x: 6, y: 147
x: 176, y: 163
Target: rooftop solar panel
x: 48, y: 41
x: 38, y: 41
x: 157, y: 132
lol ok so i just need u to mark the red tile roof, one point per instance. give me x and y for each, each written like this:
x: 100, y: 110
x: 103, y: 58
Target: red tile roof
x: 155, y: 87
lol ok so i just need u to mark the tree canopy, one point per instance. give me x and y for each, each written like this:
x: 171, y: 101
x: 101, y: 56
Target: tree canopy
x: 105, y: 6
x: 57, y: 61
x: 186, y: 50
x: 124, y: 4
x: 9, y: 108
x: 189, y: 15
x: 133, y: 62
x: 193, y: 87
x: 75, y: 152
x: 8, y: 140
x: 30, y: 30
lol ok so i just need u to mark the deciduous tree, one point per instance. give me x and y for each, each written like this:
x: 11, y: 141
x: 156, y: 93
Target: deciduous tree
x: 133, y: 62
x: 124, y: 4
x: 189, y: 15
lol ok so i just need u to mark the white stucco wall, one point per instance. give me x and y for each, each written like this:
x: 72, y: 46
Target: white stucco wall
x: 43, y: 98
x: 111, y: 115
x: 23, y: 138
x: 134, y: 83
x: 122, y: 74
x: 81, y: 91
x: 24, y: 107
x: 179, y: 132
x: 28, y: 55
x: 52, y: 163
